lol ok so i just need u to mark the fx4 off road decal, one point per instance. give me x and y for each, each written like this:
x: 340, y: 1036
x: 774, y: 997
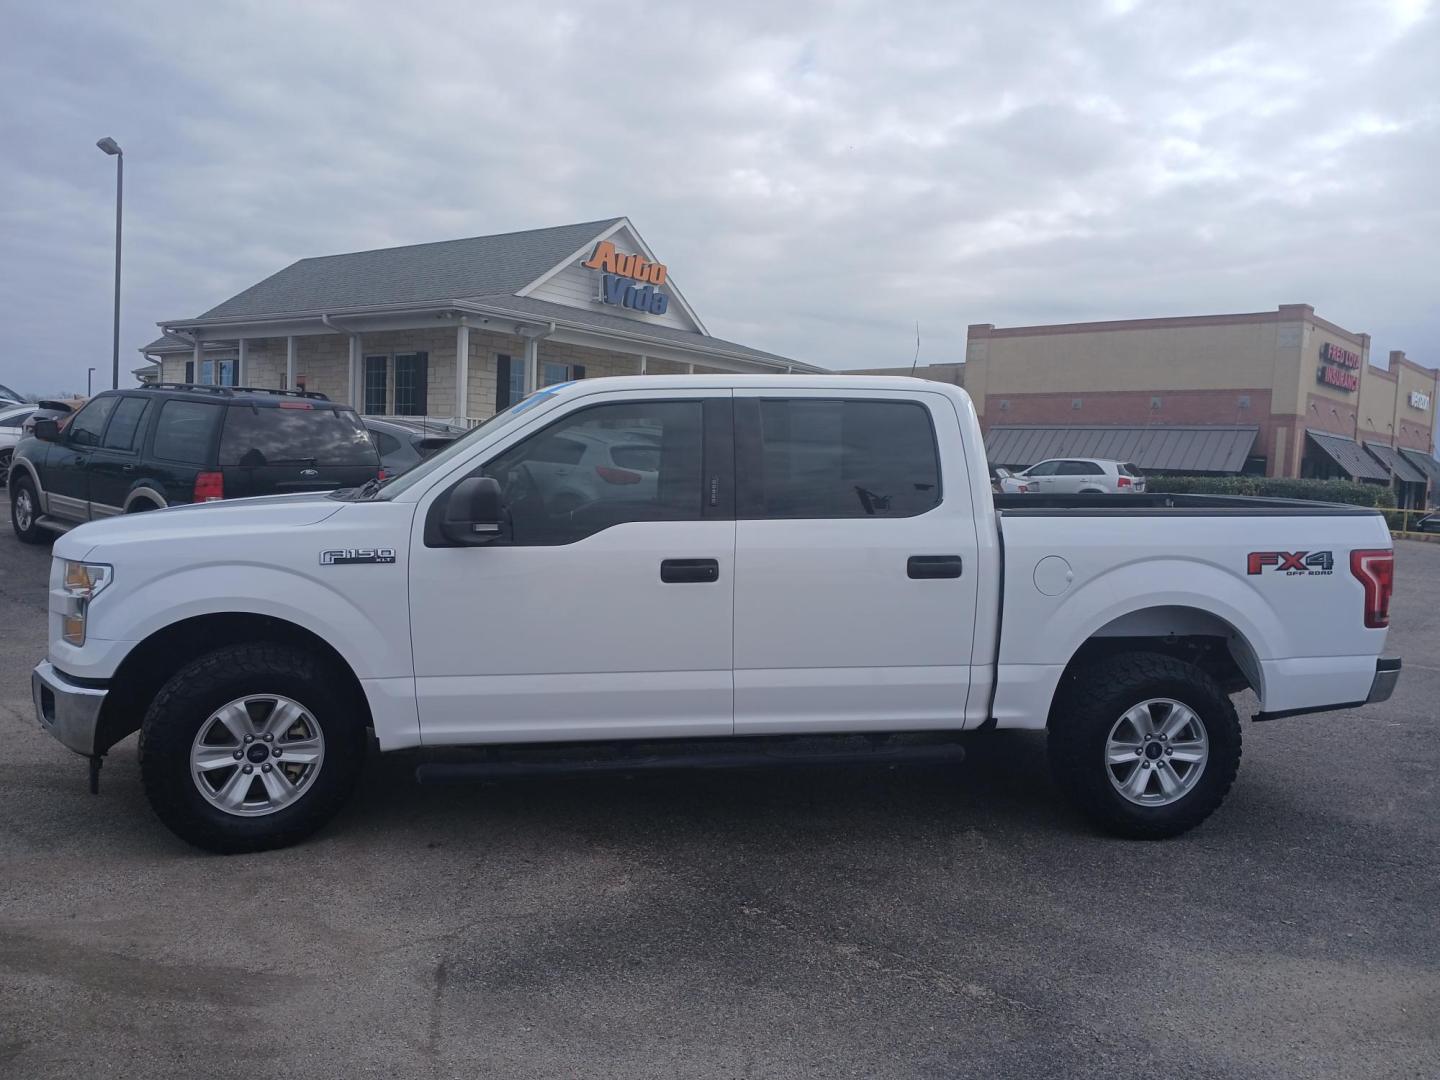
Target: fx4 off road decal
x: 1291, y: 563
x: 349, y: 556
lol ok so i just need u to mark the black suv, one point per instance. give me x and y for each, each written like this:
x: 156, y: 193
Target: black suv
x: 155, y: 446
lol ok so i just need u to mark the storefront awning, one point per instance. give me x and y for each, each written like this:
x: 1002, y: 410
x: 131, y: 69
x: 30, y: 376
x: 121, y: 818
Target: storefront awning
x: 1349, y: 455
x: 1154, y: 449
x: 1426, y: 463
x: 1391, y: 459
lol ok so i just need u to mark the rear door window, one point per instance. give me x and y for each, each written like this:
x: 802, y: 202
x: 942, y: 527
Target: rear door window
x: 185, y: 431
x: 124, y: 426
x: 824, y: 458
x: 294, y: 433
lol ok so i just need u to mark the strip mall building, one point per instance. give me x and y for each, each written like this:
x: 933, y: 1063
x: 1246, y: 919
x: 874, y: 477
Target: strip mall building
x: 459, y: 328
x: 1279, y: 393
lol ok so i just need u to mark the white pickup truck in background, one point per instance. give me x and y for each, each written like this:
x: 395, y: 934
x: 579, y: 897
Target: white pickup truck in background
x: 771, y: 557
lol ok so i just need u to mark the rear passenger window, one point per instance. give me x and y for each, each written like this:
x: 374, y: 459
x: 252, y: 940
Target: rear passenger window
x: 185, y: 431
x: 125, y: 424
x: 820, y: 458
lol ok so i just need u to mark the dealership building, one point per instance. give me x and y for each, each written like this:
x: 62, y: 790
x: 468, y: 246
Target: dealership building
x: 1277, y: 393
x: 459, y: 328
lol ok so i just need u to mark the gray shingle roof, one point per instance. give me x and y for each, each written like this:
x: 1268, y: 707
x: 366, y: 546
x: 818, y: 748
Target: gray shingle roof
x: 1391, y: 459
x: 445, y: 270
x: 1349, y: 455
x: 543, y: 309
x: 1153, y: 448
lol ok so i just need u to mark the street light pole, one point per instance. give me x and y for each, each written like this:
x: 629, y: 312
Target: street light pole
x: 111, y: 147
x: 89, y: 381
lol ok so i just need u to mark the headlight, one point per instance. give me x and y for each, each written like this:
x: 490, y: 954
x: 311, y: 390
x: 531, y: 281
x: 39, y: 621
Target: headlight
x: 82, y: 583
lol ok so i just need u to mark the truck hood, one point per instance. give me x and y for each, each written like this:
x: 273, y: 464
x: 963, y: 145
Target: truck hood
x: 230, y: 518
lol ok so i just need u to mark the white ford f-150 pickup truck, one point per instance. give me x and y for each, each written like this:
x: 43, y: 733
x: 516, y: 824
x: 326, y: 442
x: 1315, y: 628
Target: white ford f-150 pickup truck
x: 716, y: 569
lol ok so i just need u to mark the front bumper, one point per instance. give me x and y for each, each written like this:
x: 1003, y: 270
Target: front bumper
x: 66, y: 710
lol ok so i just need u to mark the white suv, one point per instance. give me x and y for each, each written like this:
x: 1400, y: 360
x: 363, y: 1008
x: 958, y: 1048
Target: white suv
x: 1072, y: 476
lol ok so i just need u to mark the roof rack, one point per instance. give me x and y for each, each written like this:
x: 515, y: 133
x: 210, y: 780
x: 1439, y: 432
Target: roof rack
x: 231, y: 391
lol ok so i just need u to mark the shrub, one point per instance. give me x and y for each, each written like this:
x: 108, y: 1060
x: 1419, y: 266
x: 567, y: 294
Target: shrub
x: 1275, y: 487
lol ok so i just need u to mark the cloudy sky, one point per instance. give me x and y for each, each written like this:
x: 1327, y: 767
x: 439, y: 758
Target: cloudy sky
x: 819, y: 176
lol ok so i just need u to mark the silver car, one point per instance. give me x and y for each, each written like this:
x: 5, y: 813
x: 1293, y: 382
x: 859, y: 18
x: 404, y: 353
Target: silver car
x: 1082, y: 476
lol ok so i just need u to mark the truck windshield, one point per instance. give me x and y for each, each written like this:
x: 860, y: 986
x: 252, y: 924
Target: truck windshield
x: 260, y: 435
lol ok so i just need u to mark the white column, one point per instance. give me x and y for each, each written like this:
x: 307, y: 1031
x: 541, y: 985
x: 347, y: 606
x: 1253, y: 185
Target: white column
x: 532, y: 365
x: 357, y: 389
x: 462, y: 370
x: 690, y: 369
x: 197, y: 374
x: 241, y: 357
x: 643, y: 359
x: 290, y: 362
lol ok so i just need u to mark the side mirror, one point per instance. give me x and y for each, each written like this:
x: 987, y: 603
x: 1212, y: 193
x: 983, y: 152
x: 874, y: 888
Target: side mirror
x: 46, y: 430
x: 473, y: 512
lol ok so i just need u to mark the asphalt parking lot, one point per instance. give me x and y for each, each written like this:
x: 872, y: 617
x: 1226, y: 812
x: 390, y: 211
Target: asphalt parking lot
x: 906, y: 922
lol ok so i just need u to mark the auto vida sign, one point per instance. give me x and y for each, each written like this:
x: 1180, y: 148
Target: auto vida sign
x: 1339, y: 368
x: 630, y: 281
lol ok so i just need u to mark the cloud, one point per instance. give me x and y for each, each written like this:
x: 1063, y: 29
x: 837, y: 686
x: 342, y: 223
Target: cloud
x: 819, y: 176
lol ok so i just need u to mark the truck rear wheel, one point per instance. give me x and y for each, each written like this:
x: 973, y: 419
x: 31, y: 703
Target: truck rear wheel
x: 1144, y: 745
x: 250, y: 747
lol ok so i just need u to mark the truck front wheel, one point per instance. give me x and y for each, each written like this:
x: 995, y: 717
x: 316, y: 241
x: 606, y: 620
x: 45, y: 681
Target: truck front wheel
x: 251, y: 747
x: 1144, y: 745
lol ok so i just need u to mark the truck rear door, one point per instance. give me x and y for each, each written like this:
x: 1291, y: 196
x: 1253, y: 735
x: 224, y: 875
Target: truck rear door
x: 856, y: 549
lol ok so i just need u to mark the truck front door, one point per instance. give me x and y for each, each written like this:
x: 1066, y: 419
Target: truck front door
x: 855, y: 562
x: 607, y: 611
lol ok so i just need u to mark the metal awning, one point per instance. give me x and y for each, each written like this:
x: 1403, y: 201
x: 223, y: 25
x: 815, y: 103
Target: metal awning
x: 1349, y: 455
x: 1189, y: 448
x: 1426, y: 463
x: 1391, y: 459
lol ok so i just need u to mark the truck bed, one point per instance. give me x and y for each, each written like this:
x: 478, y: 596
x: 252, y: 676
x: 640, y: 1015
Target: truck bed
x: 1160, y: 503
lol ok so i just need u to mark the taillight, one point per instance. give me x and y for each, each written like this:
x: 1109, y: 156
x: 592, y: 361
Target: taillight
x: 1375, y: 570
x: 1122, y: 481
x: 616, y: 476
x: 209, y: 486
x: 383, y: 474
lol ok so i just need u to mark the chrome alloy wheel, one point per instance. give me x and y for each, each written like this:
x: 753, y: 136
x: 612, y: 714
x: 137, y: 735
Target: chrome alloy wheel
x: 256, y: 755
x: 24, y: 509
x: 1156, y: 752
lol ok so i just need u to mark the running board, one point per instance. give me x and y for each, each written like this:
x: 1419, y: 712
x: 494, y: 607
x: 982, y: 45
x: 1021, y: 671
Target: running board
x: 724, y: 754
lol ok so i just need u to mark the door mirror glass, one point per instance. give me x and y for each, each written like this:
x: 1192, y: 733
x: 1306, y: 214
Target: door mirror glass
x: 473, y: 513
x: 47, y: 430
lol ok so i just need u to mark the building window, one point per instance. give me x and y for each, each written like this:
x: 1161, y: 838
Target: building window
x: 401, y: 379
x: 376, y: 384
x: 552, y: 373
x: 208, y: 372
x: 412, y: 384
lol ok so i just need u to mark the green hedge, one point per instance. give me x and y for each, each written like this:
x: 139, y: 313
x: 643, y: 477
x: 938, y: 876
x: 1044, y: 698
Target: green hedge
x: 1275, y: 487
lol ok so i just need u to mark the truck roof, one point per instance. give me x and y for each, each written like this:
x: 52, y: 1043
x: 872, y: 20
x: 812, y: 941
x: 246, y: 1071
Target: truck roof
x: 739, y: 380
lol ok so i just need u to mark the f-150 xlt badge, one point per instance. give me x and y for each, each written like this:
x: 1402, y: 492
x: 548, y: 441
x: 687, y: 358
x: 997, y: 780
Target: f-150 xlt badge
x: 348, y: 556
x: 1291, y: 563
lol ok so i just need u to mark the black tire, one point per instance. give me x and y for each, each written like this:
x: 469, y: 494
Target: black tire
x: 141, y: 506
x: 1088, y: 708
x: 202, y: 686
x: 20, y: 491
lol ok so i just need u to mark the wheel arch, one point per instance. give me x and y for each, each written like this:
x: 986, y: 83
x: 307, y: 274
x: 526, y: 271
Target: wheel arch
x: 17, y: 463
x: 147, y: 493
x: 1186, y: 632
x: 155, y: 659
